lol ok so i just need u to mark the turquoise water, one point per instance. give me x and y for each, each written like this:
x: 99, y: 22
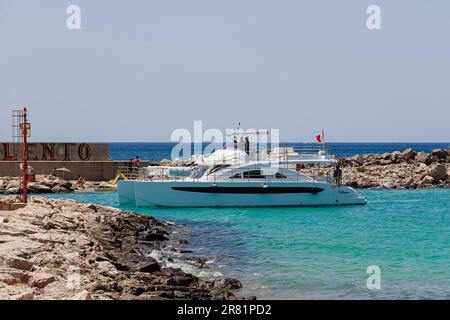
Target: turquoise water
x: 323, y: 252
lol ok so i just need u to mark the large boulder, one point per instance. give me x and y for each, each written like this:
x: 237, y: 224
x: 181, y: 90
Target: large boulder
x: 13, y: 190
x: 439, y: 153
x: 13, y: 184
x: 423, y: 157
x: 426, y: 182
x: 42, y: 188
x: 386, y: 156
x: 59, y: 189
x: 83, y: 295
x: 396, y: 154
x: 438, y: 172
x: 409, y: 154
x: 41, y: 280
x: 358, y: 159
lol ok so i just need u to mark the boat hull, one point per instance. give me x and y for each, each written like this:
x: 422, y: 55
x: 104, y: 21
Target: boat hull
x: 233, y: 194
x: 126, y: 192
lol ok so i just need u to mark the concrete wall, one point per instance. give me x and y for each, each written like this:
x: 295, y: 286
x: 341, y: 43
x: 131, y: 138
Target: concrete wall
x: 91, y: 170
x: 44, y: 151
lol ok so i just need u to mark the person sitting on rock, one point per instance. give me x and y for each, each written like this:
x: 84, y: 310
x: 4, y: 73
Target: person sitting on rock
x: 31, y: 174
x: 80, y: 181
x: 337, y: 174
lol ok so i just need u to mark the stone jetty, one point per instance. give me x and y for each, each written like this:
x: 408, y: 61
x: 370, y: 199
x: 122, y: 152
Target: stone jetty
x: 63, y: 249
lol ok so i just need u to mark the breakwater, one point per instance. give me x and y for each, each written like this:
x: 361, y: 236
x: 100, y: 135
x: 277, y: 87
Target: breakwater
x: 408, y: 169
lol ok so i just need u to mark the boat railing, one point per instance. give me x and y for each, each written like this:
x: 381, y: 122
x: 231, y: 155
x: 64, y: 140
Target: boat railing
x: 305, y: 151
x: 175, y: 174
x: 131, y: 173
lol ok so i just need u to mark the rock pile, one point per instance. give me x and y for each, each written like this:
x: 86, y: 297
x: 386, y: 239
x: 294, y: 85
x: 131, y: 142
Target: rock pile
x: 408, y: 169
x: 176, y: 163
x: 43, y: 184
x: 62, y: 249
x: 47, y: 184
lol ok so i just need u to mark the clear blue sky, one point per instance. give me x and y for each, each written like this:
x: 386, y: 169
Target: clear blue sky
x: 139, y: 69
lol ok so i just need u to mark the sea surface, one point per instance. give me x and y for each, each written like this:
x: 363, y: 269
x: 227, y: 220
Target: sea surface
x: 320, y: 252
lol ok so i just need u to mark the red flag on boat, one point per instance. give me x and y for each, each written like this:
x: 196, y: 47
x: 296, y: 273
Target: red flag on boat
x: 319, y: 138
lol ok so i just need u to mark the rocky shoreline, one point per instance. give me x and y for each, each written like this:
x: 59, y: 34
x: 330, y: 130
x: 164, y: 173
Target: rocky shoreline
x: 408, y: 169
x: 63, y: 249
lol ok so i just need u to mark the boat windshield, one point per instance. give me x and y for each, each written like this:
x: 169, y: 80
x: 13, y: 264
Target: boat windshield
x: 199, y: 172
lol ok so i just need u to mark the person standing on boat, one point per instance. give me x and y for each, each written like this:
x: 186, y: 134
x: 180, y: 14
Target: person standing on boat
x: 241, y: 143
x: 235, y: 143
x: 130, y: 166
x: 136, y: 162
x: 247, y: 146
x: 338, y: 175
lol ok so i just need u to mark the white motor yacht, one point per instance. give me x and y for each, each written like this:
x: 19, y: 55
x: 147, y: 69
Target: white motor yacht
x: 232, y: 178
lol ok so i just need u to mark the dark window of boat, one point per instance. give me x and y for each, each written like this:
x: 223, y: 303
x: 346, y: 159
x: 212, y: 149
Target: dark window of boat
x: 256, y: 174
x: 217, y: 168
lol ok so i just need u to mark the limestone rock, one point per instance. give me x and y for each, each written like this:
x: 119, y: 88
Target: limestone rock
x: 358, y: 159
x: 41, y: 280
x: 59, y: 189
x: 16, y: 263
x: 396, y: 154
x: 4, y: 296
x: 24, y: 296
x: 423, y: 157
x: 83, y: 295
x: 438, y: 172
x: 180, y: 281
x: 439, y: 153
x: 227, y: 283
x: 409, y: 154
x: 107, y: 269
x: 13, y: 184
x: 43, y: 184
x: 12, y: 190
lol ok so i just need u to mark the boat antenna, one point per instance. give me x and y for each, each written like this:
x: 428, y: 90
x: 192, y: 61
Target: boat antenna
x: 323, y: 141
